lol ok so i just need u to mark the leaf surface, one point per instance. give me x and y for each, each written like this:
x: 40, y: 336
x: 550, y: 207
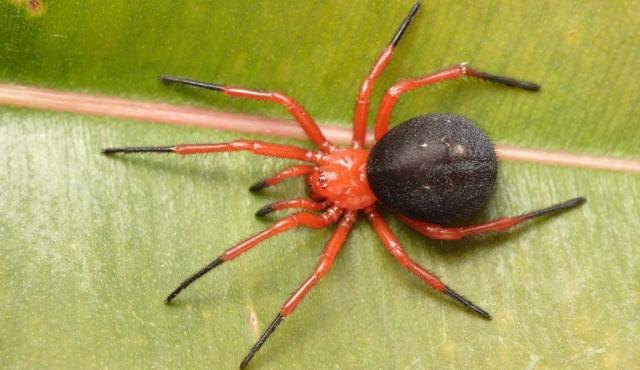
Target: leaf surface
x: 91, y: 245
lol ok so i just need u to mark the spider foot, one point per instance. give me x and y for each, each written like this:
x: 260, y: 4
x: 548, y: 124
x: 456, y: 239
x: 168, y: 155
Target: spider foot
x: 272, y: 327
x: 465, y: 302
x: 556, y: 208
x: 265, y: 210
x: 502, y: 80
x: 215, y: 263
x: 258, y: 186
x: 300, y: 203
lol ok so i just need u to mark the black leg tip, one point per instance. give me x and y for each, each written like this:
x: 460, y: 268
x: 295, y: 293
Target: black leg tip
x: 186, y: 81
x: 467, y: 303
x: 265, y: 210
x: 171, y: 297
x: 274, y: 324
x: 171, y: 79
x: 486, y: 316
x: 258, y: 186
x: 143, y: 149
x: 557, y: 208
x: 215, y: 263
x: 405, y: 24
x: 534, y: 87
x: 108, y: 151
x: 576, y: 201
x: 505, y: 81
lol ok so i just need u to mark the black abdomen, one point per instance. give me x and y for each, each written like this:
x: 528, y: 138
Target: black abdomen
x: 438, y: 168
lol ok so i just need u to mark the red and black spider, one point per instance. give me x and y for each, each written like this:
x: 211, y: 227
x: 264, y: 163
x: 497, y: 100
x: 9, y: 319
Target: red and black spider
x: 432, y: 171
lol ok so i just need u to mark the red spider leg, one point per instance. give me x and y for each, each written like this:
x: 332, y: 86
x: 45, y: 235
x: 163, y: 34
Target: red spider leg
x: 450, y: 233
x: 392, y: 245
x: 303, y: 203
x: 329, y: 254
x: 299, y: 170
x: 255, y: 147
x: 362, y: 104
x: 392, y: 94
x: 297, y: 111
x: 295, y: 220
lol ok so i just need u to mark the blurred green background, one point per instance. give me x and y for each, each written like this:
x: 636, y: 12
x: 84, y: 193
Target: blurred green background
x: 91, y: 245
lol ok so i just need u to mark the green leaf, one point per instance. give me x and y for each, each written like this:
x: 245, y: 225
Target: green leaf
x: 91, y: 245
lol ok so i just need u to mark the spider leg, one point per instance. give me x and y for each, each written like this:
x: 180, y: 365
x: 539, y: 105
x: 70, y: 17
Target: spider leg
x: 298, y: 219
x: 255, y: 147
x: 329, y: 254
x: 392, y: 94
x: 362, y: 104
x: 449, y: 233
x: 302, y: 203
x: 392, y: 245
x: 299, y: 170
x: 297, y: 111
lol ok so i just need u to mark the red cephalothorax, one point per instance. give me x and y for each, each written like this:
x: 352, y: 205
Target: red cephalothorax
x: 341, y: 179
x: 432, y: 170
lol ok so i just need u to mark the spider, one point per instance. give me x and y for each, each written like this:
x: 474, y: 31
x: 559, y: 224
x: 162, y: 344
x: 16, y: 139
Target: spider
x: 434, y: 172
